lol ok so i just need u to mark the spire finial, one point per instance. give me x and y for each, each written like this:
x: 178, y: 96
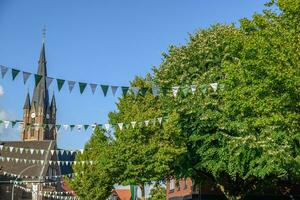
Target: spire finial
x: 44, y: 33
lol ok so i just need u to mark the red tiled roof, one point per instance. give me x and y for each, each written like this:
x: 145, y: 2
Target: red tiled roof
x: 123, y: 194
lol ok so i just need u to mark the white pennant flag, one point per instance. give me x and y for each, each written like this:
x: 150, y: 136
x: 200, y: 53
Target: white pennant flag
x: 6, y: 123
x: 120, y: 126
x: 48, y: 81
x: 71, y: 85
x: 114, y: 89
x: 79, y: 127
x: 155, y: 90
x: 65, y: 126
x: 147, y: 122
x: 42, y: 151
x: 31, y: 151
x: 21, y: 150
x: 11, y: 149
x: 52, y: 152
x: 3, y: 70
x: 93, y: 126
x: 159, y: 120
x: 93, y: 87
x: 214, y: 86
x: 193, y: 88
x: 106, y: 126
x: 1, y: 147
x: 175, y: 90
x: 135, y: 90
x: 26, y: 75
x: 133, y: 124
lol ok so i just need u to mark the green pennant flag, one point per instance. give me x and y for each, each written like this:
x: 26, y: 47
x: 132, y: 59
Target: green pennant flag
x: 125, y: 90
x: 60, y: 83
x: 86, y: 126
x: 104, y: 89
x: 82, y: 87
x: 14, y: 73
x: 164, y: 91
x: 204, y: 88
x: 144, y: 91
x: 185, y: 90
x: 72, y: 126
x: 13, y: 123
x: 37, y: 79
x: 57, y: 126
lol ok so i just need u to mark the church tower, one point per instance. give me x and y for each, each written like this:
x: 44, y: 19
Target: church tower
x: 40, y: 115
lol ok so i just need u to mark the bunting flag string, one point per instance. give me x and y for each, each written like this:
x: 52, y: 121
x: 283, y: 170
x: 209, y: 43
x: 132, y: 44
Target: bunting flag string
x: 80, y: 127
x: 45, y: 162
x: 21, y: 150
x: 71, y: 175
x: 155, y: 90
x: 48, y: 194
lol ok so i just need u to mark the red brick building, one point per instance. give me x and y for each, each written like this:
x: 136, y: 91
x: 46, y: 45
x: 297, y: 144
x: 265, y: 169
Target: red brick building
x: 184, y: 190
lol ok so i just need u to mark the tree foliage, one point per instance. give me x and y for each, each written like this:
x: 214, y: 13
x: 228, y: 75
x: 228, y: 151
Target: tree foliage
x: 158, y: 192
x: 94, y: 181
x: 242, y: 137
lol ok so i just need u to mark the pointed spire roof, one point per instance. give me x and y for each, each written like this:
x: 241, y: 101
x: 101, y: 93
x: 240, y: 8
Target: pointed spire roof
x: 41, y: 94
x: 27, y: 102
x: 53, y: 102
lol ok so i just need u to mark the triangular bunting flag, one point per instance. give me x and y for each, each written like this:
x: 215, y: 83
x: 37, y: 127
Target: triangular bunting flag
x: 193, y: 88
x: 114, y: 89
x: 106, y: 126
x: 72, y: 127
x: 93, y: 87
x: 37, y: 79
x: 26, y: 76
x: 159, y: 120
x: 82, y: 87
x: 135, y: 90
x: 86, y: 126
x: 147, y: 122
x: 3, y: 70
x: 175, y: 90
x: 204, y: 88
x: 66, y: 126
x: 144, y: 91
x: 71, y: 85
x: 133, y: 124
x: 125, y: 90
x: 104, y: 89
x: 14, y: 73
x: 120, y: 125
x: 48, y: 81
x: 155, y: 91
x: 60, y: 83
x: 57, y: 127
x: 214, y: 86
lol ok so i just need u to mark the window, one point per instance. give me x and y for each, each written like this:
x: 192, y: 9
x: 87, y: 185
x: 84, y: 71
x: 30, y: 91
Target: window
x: 172, y: 185
x: 185, y: 184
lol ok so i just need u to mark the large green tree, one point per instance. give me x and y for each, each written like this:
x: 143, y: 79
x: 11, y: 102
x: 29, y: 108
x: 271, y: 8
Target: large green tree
x: 94, y: 181
x: 246, y: 133
x: 143, y: 153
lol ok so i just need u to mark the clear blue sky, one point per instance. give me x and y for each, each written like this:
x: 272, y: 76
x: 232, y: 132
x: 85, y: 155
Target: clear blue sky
x: 98, y: 41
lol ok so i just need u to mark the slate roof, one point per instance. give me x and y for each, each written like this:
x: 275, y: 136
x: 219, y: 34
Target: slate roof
x: 16, y: 168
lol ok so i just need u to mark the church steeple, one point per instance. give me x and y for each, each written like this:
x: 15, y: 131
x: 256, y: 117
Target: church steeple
x: 41, y: 90
x: 39, y: 112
